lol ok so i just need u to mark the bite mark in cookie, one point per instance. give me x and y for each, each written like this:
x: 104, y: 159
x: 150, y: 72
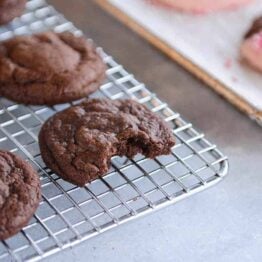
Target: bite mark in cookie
x: 79, y: 142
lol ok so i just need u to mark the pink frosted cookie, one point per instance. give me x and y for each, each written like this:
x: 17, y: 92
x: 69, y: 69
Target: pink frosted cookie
x: 200, y: 6
x: 251, y: 48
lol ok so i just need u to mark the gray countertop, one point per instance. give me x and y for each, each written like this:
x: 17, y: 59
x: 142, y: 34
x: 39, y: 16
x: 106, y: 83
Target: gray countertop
x: 223, y: 223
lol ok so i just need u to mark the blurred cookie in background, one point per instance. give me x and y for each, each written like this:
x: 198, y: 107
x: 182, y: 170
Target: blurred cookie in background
x: 200, y: 6
x: 251, y: 48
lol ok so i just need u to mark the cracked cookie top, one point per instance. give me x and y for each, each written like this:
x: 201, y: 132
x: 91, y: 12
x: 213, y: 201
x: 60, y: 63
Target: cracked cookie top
x: 49, y: 68
x: 79, y: 142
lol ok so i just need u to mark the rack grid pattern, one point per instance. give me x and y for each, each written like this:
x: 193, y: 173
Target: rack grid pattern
x: 67, y: 214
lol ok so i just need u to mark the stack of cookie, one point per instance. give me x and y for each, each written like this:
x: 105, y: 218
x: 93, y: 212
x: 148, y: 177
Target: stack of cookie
x: 51, y: 68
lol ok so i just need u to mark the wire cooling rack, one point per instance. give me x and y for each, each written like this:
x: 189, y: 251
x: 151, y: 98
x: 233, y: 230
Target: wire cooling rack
x: 68, y: 214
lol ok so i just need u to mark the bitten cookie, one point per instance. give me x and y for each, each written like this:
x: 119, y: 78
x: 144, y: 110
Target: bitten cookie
x: 79, y: 142
x: 200, y: 6
x: 49, y: 68
x: 9, y: 9
x: 251, y: 47
x: 19, y: 194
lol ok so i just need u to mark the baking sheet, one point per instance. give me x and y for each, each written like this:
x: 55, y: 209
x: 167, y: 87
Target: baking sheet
x: 211, y: 42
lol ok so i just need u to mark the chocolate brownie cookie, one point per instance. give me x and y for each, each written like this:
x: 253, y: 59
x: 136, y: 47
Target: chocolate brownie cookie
x: 9, y: 9
x: 49, y: 68
x: 19, y: 193
x: 79, y: 142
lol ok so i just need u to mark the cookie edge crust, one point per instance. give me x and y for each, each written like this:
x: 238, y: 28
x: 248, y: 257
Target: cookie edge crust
x: 9, y: 232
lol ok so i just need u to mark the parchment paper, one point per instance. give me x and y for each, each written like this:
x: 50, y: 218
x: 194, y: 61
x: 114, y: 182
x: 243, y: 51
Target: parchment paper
x: 210, y: 41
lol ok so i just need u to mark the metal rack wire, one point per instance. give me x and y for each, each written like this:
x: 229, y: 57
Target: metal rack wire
x: 67, y: 214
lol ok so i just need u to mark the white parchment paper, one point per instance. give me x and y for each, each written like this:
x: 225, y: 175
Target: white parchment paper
x: 210, y: 41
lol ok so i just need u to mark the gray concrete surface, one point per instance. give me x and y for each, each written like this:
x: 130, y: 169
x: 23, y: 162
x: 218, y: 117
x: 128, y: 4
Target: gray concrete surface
x: 223, y: 223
